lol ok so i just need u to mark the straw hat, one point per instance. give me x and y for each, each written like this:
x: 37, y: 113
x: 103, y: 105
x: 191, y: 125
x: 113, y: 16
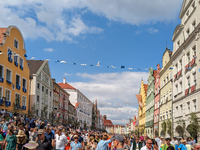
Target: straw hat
x: 183, y: 141
x: 75, y: 136
x: 31, y: 145
x: 21, y: 134
x: 40, y: 131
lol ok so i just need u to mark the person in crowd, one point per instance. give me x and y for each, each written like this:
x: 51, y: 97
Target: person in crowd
x: 196, y: 146
x: 158, y: 141
x: 137, y: 145
x: 21, y: 140
x: 182, y: 145
x: 128, y: 145
x: 171, y: 148
x: 167, y: 144
x: 118, y: 142
x: 142, y: 141
x: 43, y: 143
x: 11, y: 140
x: 1, y: 140
x: 49, y: 135
x: 60, y: 140
x: 148, y: 145
x: 103, y: 144
x: 176, y: 145
x: 189, y: 147
x: 35, y: 133
x: 75, y: 144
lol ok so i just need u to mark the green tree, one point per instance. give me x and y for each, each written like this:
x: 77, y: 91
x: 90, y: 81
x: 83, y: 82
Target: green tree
x: 194, y: 127
x: 44, y: 112
x: 32, y: 111
x: 16, y: 105
x: 169, y: 127
x: 181, y: 129
x: 164, y: 127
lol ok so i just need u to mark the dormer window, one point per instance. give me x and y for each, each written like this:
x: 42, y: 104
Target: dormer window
x: 178, y: 43
x: 188, y: 31
x: 188, y: 13
x: 194, y: 23
x: 16, y: 44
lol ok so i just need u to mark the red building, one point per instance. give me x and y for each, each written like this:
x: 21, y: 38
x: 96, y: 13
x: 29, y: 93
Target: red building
x: 157, y: 100
x: 108, y: 125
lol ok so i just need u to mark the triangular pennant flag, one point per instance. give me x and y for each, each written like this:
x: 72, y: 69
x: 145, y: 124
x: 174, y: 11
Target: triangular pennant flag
x: 98, y: 64
x: 74, y: 63
x: 113, y: 66
x: 63, y: 62
x: 130, y: 68
x: 57, y: 61
x: 25, y: 55
x: 122, y: 66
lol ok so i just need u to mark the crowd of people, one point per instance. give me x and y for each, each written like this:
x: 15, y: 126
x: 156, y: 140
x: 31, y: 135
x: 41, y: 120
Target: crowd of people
x: 19, y: 132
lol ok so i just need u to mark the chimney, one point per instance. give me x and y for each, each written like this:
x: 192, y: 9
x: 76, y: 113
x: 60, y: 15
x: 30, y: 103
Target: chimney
x: 64, y: 80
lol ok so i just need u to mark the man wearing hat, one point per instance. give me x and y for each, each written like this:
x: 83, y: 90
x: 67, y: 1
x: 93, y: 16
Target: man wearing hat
x: 182, y: 145
x: 60, y: 140
x: 43, y: 143
x: 118, y: 142
x: 75, y: 144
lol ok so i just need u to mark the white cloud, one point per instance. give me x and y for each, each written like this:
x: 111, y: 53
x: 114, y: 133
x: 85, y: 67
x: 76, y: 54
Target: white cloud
x: 48, y: 49
x: 61, y: 20
x: 67, y: 74
x: 114, y: 91
x: 152, y: 30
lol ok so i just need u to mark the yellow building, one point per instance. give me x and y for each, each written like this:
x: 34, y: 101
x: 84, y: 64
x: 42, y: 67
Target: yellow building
x: 166, y: 95
x: 14, y: 71
x: 142, y: 107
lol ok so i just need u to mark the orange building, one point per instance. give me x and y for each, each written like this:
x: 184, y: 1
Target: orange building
x: 14, y: 70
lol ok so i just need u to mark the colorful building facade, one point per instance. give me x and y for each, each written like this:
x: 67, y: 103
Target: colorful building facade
x: 149, y: 123
x: 166, y: 94
x: 14, y: 71
x: 141, y: 97
x: 41, y: 88
x: 157, y: 101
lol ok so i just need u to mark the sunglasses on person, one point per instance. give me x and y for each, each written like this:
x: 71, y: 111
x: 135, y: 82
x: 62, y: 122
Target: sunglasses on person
x: 149, y: 143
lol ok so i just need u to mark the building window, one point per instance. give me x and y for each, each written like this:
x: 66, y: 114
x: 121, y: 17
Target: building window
x: 188, y: 81
x: 176, y: 89
x: 158, y: 104
x: 38, y: 98
x: 1, y: 71
x: 23, y: 100
x: 17, y: 79
x: 181, y: 109
x: 163, y: 115
x: 38, y: 85
x: 187, y: 13
x: 166, y: 114
x: 178, y: 43
x: 170, y: 113
x: 16, y: 44
x: 46, y: 91
x: 194, y: 78
x: 24, y: 82
x: 193, y: 5
x: 176, y: 66
x: 17, y: 97
x: 16, y: 58
x: 50, y: 93
x: 8, y: 75
x: 194, y: 23
x: 188, y: 57
x: 194, y: 51
x: 180, y: 62
x: 42, y: 88
x: 177, y: 111
x: 47, y: 80
x: 188, y: 105
x: 181, y: 87
x: 158, y: 89
x: 167, y: 79
x: 9, y: 53
x: 21, y: 62
x: 170, y: 95
x: 170, y: 75
x: 195, y: 105
x: 1, y: 92
x: 8, y: 95
x: 188, y: 31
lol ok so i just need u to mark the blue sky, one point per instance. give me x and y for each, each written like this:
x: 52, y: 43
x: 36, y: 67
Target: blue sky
x: 131, y: 33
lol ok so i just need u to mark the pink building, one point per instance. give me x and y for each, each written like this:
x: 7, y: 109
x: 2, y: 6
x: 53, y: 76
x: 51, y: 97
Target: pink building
x: 63, y: 109
x: 157, y: 101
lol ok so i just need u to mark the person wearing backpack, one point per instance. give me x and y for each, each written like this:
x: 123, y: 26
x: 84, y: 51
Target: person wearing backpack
x: 167, y: 144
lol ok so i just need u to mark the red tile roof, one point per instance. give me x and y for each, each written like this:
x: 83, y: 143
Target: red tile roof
x: 66, y: 86
x: 145, y: 88
x: 107, y: 122
x: 2, y: 30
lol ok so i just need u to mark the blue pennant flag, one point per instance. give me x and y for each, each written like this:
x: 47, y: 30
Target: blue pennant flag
x: 91, y: 65
x: 74, y: 63
x: 57, y: 61
x: 25, y: 55
x: 138, y: 69
x: 122, y: 66
x: 107, y: 66
x: 170, y: 68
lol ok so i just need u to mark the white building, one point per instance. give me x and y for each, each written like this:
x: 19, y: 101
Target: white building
x: 41, y: 88
x: 185, y: 57
x: 81, y: 103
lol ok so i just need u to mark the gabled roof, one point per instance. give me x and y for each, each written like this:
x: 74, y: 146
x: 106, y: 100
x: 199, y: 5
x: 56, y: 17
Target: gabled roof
x: 2, y: 30
x: 34, y: 65
x: 154, y: 74
x: 66, y: 86
x: 107, y: 122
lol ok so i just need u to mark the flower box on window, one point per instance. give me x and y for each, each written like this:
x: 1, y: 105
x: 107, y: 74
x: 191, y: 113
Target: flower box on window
x: 17, y: 87
x: 9, y: 59
x: 1, y: 79
x: 186, y: 91
x: 9, y: 81
x: 193, y: 88
x: 193, y: 62
x: 24, y: 90
x: 21, y: 67
x: 16, y: 64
